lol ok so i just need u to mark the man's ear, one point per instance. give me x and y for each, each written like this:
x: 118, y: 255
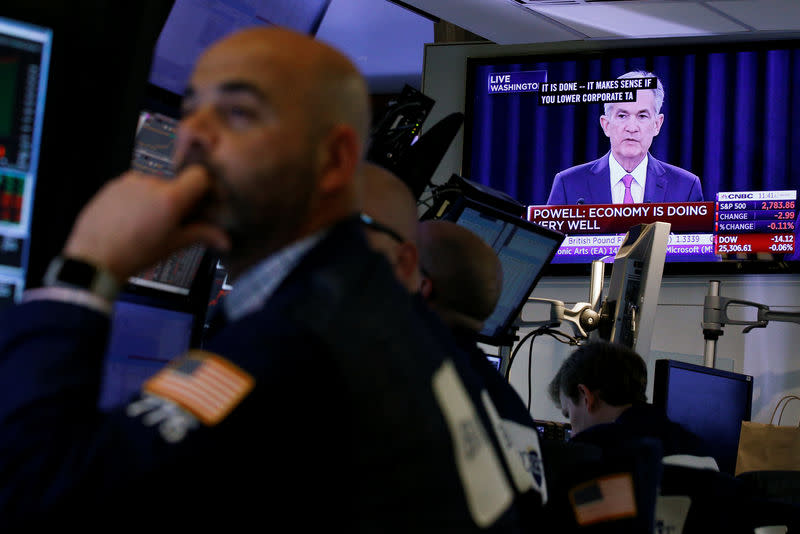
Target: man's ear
x: 590, y: 398
x: 659, y: 122
x: 339, y: 157
x: 604, y: 124
x: 426, y: 287
x: 407, y: 259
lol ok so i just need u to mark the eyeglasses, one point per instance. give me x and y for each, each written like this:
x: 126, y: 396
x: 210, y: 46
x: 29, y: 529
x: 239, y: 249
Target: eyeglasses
x: 369, y: 222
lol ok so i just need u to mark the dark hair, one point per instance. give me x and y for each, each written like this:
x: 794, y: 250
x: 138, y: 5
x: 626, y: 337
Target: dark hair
x: 613, y: 372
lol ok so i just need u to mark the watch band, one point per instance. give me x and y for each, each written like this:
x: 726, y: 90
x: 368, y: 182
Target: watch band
x: 79, y: 274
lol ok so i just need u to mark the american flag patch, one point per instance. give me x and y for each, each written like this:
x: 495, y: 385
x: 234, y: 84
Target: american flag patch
x: 603, y: 499
x: 205, y: 384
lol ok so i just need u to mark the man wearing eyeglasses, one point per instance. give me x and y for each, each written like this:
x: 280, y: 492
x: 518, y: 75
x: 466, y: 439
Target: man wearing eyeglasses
x: 392, y: 227
x: 390, y: 218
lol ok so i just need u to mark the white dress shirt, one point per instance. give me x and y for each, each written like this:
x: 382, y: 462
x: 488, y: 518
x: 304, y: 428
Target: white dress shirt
x: 637, y: 185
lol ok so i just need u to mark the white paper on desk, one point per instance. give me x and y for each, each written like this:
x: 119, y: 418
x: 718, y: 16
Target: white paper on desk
x: 671, y: 512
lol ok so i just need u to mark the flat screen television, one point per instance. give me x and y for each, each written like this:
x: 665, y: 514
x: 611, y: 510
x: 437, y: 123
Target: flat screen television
x: 710, y: 402
x: 524, y: 249
x: 24, y: 65
x: 731, y: 117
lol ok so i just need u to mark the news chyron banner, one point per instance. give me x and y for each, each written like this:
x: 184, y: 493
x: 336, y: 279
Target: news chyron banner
x: 559, y: 93
x: 738, y: 223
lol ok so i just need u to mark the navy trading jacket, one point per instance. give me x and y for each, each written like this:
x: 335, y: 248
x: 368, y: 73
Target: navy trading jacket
x: 333, y: 406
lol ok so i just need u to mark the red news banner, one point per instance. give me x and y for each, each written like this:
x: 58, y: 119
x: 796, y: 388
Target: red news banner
x: 739, y: 222
x: 619, y: 218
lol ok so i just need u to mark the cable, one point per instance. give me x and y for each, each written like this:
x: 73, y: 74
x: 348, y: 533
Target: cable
x: 569, y: 340
x: 559, y: 336
x: 436, y: 192
x: 391, y: 113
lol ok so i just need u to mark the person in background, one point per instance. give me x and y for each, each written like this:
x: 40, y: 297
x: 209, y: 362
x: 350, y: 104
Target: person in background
x: 463, y: 276
x: 601, y: 389
x: 471, y: 268
x: 321, y: 402
x: 390, y: 219
x: 628, y: 173
x: 462, y: 279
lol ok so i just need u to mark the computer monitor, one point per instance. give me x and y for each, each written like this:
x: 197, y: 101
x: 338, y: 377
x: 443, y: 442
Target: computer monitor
x: 153, y: 151
x: 162, y: 311
x: 144, y: 336
x: 524, y: 249
x: 24, y: 62
x: 220, y: 287
x: 192, y: 25
x: 628, y: 313
x: 710, y: 402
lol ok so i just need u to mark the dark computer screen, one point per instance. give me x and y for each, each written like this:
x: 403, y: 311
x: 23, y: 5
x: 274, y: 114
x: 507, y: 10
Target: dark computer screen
x: 24, y: 63
x: 524, y: 249
x: 192, y: 25
x: 710, y: 402
x: 221, y: 285
x: 144, y: 337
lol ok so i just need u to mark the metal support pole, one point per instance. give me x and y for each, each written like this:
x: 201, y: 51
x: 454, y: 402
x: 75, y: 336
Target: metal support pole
x: 711, y: 334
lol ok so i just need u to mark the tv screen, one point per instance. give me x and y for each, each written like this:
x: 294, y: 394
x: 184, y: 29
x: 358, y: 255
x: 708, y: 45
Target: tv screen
x: 719, y: 159
x: 24, y: 63
x: 710, y: 402
x: 524, y: 249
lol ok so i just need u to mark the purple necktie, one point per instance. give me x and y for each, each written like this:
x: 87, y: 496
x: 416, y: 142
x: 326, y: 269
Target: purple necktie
x: 627, y: 179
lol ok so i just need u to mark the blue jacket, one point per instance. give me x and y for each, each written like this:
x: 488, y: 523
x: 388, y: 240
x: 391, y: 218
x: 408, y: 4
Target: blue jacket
x: 590, y: 183
x: 357, y: 420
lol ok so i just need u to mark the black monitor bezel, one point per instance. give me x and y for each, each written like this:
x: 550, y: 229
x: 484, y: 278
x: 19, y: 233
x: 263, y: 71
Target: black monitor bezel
x: 624, y: 47
x: 662, y: 375
x: 504, y: 335
x: 195, y: 302
x: 661, y: 379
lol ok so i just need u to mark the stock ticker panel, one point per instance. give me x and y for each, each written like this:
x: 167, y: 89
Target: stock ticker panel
x: 735, y: 224
x: 153, y: 153
x: 155, y: 144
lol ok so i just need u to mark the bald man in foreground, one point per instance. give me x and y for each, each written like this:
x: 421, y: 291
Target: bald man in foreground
x: 323, y: 404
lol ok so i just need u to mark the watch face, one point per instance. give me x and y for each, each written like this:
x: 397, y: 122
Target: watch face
x: 76, y: 273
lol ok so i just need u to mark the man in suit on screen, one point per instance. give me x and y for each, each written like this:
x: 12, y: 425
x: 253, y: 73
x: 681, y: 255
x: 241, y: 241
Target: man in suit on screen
x: 628, y: 173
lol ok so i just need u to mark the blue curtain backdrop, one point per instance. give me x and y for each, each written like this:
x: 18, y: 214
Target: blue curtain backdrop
x: 732, y: 118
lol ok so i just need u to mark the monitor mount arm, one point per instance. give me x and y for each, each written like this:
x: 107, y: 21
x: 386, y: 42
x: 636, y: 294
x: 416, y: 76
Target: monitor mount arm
x: 584, y: 317
x: 715, y: 316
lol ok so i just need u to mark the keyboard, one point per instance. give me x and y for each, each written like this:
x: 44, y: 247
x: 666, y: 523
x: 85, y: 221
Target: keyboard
x: 552, y: 430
